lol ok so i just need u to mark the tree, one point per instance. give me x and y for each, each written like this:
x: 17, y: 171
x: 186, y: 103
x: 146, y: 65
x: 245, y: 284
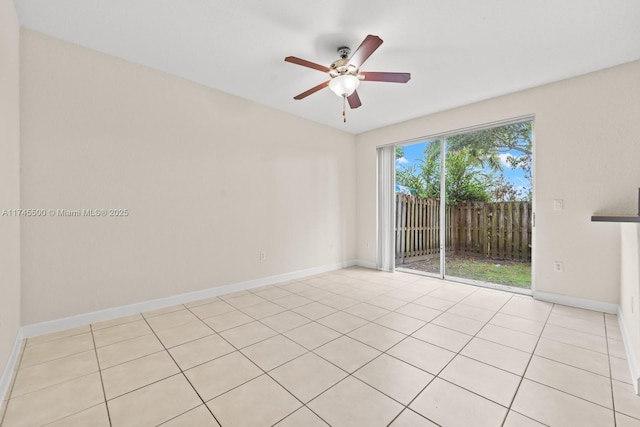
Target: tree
x: 465, y: 180
x: 490, y: 141
x: 504, y: 191
x: 488, y: 144
x: 474, y: 171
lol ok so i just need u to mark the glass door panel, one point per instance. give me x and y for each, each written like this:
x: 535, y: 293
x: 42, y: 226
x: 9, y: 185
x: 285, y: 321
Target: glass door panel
x: 489, y: 188
x: 417, y: 229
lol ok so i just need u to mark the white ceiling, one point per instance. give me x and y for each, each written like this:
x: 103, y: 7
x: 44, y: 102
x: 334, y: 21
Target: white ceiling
x: 457, y: 51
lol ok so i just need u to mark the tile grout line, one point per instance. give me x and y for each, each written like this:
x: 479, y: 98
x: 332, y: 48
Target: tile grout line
x: 527, y: 367
x: 434, y: 376
x: 406, y: 336
x: 572, y: 366
x: 59, y: 383
x: 476, y: 336
x: 180, y: 373
x: 613, y: 400
x: 5, y: 403
x: 575, y: 367
x: 332, y: 340
x: 458, y: 353
x: 19, y: 365
x: 259, y: 367
x: 104, y: 393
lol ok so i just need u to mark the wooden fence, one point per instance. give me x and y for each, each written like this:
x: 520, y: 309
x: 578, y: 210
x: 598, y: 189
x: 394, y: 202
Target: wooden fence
x: 495, y: 230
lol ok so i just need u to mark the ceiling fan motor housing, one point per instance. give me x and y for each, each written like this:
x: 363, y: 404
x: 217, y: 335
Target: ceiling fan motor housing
x: 342, y: 67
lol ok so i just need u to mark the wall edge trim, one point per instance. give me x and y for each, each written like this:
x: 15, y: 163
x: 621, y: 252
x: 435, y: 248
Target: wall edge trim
x: 631, y: 356
x: 10, y: 368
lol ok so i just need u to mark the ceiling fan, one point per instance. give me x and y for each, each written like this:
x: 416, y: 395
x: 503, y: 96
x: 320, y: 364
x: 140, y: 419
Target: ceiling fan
x: 346, y: 75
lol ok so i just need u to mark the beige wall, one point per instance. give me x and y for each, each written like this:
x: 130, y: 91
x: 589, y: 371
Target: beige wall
x: 9, y: 178
x: 209, y: 179
x: 587, y: 152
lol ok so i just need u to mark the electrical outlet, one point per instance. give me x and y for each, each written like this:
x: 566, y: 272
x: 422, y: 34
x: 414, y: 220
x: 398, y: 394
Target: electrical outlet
x: 263, y: 255
x: 558, y: 267
x: 558, y: 204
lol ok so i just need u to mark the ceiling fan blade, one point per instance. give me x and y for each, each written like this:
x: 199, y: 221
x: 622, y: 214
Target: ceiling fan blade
x: 305, y: 63
x: 354, y: 100
x: 364, y: 51
x: 372, y: 76
x: 312, y: 90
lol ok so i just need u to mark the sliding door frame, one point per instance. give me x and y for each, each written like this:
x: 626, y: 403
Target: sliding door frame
x: 386, y: 230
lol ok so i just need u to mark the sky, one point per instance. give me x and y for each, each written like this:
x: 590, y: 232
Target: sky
x: 415, y: 152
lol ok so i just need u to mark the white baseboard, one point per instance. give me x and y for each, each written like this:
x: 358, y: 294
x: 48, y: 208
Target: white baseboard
x: 115, y: 312
x: 576, y: 302
x: 366, y: 264
x: 9, y: 368
x: 57, y: 325
x: 632, y: 359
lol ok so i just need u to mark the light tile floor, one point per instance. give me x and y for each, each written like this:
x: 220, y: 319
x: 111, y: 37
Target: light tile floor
x: 354, y: 347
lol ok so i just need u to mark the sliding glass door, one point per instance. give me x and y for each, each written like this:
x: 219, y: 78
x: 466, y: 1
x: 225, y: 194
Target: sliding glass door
x: 464, y: 206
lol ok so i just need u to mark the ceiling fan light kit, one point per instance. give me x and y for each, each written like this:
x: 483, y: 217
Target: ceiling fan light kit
x: 344, y: 85
x: 345, y: 75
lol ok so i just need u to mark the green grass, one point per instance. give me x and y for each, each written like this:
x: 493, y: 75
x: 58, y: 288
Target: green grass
x: 508, y: 273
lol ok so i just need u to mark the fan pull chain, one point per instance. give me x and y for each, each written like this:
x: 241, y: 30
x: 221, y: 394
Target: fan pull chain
x: 344, y: 108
